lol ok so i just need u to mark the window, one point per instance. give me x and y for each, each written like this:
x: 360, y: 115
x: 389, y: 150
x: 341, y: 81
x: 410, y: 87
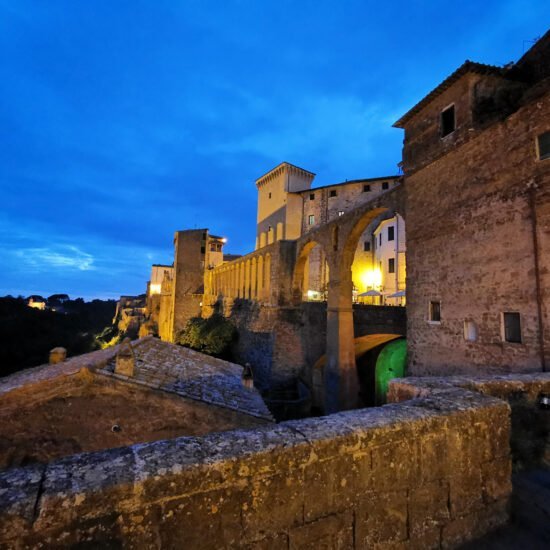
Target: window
x: 332, y: 193
x: 385, y: 185
x: 543, y: 146
x: 380, y: 238
x: 312, y: 196
x: 510, y: 326
x: 366, y: 188
x: 269, y: 195
x: 434, y: 313
x: 203, y: 249
x: 269, y: 228
x: 447, y: 121
x: 391, y: 265
x: 311, y: 219
x: 366, y: 246
x: 341, y: 212
x: 470, y: 331
x: 391, y: 233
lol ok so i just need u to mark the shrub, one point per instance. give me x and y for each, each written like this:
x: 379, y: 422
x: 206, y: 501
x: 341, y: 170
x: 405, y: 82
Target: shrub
x: 212, y: 336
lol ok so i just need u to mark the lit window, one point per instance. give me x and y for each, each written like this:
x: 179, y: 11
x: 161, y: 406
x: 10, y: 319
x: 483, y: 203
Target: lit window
x: 332, y: 193
x: 434, y: 313
x: 391, y: 265
x: 385, y: 185
x: 447, y: 121
x: 311, y: 219
x: 511, y: 327
x: 366, y: 246
x: 312, y: 196
x: 366, y: 188
x: 341, y: 212
x: 391, y: 233
x: 543, y: 146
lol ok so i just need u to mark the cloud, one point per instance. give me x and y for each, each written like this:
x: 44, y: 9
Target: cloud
x: 66, y: 257
x: 344, y: 130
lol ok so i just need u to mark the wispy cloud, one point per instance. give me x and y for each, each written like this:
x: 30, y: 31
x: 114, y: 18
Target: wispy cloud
x: 66, y: 257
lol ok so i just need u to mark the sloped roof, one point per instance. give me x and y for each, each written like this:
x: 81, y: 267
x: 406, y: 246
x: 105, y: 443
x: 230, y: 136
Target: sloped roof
x: 159, y: 366
x: 467, y: 67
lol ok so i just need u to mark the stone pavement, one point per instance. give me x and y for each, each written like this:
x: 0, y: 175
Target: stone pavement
x: 529, y: 528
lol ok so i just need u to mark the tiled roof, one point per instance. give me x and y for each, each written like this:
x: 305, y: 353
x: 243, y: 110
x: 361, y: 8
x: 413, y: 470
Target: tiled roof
x: 363, y: 180
x: 160, y: 366
x: 175, y: 369
x: 465, y: 68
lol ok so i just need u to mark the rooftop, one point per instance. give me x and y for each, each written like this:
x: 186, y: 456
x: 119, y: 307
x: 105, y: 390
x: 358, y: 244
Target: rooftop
x: 347, y: 182
x: 279, y: 168
x: 466, y: 68
x: 159, y: 366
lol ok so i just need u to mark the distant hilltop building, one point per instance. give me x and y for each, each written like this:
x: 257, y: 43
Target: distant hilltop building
x: 36, y: 302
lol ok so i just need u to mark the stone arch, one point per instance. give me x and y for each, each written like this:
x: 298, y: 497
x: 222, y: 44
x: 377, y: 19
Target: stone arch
x: 302, y: 258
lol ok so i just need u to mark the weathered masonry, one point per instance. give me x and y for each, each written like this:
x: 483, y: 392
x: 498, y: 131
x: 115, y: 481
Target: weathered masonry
x: 477, y: 178
x: 427, y: 472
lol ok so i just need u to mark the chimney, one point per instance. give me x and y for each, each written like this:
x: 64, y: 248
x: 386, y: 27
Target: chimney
x: 57, y: 355
x: 125, y: 359
x: 247, y: 378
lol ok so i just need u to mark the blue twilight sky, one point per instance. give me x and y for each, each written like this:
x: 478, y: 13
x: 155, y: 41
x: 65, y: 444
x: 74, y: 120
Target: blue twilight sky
x: 122, y: 121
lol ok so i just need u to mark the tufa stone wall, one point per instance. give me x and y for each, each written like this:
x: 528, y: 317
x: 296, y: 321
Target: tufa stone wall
x: 432, y: 472
x: 88, y: 412
x: 530, y: 427
x: 472, y: 214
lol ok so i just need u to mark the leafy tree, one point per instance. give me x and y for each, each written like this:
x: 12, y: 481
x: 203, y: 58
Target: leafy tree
x: 212, y: 336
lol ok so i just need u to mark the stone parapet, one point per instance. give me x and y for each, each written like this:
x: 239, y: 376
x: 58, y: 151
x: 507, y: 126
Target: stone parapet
x: 429, y: 472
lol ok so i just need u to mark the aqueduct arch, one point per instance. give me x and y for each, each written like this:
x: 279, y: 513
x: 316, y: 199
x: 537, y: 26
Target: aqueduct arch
x: 339, y: 239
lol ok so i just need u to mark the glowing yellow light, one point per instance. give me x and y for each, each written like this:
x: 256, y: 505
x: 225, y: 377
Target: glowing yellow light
x: 154, y: 288
x: 372, y: 278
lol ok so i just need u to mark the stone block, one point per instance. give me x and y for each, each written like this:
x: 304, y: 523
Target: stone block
x: 273, y: 504
x: 434, y: 457
x: 276, y: 542
x: 428, y: 507
x: 465, y: 491
x: 329, y: 533
x: 203, y: 520
x: 395, y: 464
x: 497, y: 480
x: 381, y: 518
x: 333, y: 485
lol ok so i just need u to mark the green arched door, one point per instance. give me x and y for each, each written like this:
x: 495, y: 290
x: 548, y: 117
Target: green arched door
x: 391, y: 363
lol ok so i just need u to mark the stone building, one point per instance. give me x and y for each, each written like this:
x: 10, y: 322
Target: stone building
x: 477, y: 182
x: 131, y: 393
x: 474, y: 196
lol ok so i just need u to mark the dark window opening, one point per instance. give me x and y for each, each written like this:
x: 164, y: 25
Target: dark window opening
x: 391, y: 265
x: 333, y: 193
x: 448, y: 121
x: 380, y: 238
x: 385, y: 185
x: 435, y: 312
x: 391, y: 233
x: 203, y: 249
x: 312, y: 196
x: 544, y: 146
x: 366, y: 246
x: 366, y: 188
x: 269, y: 195
x: 511, y: 327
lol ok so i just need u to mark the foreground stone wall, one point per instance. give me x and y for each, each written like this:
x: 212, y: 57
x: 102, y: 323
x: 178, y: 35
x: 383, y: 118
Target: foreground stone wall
x: 530, y: 435
x: 431, y: 472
